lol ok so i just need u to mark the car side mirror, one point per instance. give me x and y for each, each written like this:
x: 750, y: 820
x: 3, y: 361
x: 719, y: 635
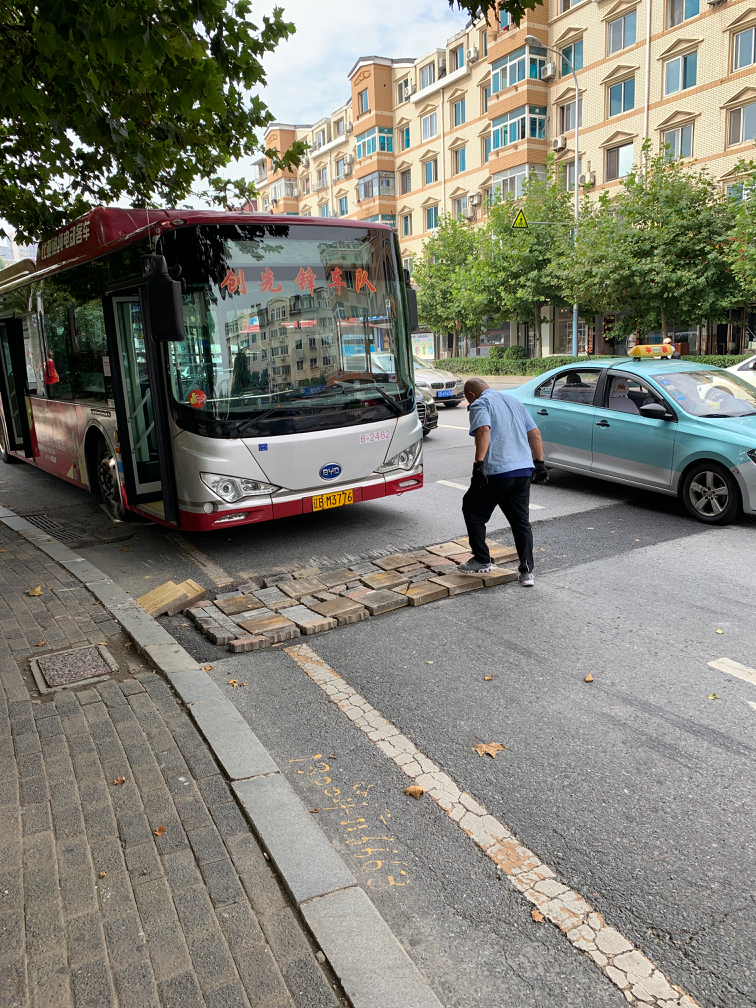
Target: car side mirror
x: 655, y: 411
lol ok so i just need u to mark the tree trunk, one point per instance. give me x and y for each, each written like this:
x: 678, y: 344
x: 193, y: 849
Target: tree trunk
x: 698, y: 340
x: 537, y: 326
x: 665, y: 327
x: 455, y: 343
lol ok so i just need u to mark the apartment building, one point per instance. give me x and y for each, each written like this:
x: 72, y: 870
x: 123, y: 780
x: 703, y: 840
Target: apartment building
x: 448, y: 131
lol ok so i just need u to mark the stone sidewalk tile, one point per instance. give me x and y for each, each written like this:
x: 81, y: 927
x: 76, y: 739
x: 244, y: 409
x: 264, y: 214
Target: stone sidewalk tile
x: 149, y: 893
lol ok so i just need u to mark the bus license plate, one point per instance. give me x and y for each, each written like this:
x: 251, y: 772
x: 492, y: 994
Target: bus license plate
x: 445, y: 393
x: 332, y: 500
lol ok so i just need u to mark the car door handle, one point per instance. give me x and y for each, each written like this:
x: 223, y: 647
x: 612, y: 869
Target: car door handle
x: 543, y: 412
x: 602, y: 423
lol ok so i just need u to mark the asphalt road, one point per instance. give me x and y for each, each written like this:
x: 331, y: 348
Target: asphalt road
x: 636, y: 788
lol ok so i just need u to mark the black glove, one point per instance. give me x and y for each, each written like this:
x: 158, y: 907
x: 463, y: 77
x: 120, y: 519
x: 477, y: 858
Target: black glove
x: 541, y: 474
x: 479, y: 478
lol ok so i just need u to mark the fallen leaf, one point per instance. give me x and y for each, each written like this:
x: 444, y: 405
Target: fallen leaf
x: 41, y: 643
x: 119, y: 780
x: 126, y: 549
x: 3, y: 551
x: 313, y: 810
x: 127, y: 643
x: 429, y: 663
x: 160, y: 831
x: 487, y: 678
x: 103, y: 874
x: 332, y: 756
x: 35, y: 591
x: 245, y: 684
x: 414, y: 791
x: 491, y: 748
x: 712, y: 696
x: 716, y: 631
x: 588, y: 678
x: 233, y: 682
x: 207, y: 668
x: 536, y: 915
x: 102, y: 643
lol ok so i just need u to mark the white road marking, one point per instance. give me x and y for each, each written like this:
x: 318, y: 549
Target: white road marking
x: 751, y: 704
x: 537, y: 507
x: 623, y: 964
x: 457, y: 486
x: 734, y: 668
x: 452, y: 426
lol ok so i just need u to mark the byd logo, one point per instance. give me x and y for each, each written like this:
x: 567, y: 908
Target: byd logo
x: 330, y: 471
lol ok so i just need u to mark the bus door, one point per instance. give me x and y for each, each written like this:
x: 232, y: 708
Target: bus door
x: 13, y: 385
x: 144, y: 442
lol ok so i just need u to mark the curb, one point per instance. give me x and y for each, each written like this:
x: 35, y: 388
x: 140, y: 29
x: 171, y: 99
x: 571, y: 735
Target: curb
x: 366, y: 956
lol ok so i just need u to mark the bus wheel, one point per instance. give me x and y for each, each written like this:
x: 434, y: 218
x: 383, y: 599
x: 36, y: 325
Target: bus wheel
x: 4, y: 453
x: 107, y: 482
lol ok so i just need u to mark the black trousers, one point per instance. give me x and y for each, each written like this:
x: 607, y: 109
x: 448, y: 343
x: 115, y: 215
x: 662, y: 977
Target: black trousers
x: 512, y: 495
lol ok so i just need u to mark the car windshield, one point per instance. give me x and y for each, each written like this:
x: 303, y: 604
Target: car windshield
x: 714, y: 394
x: 288, y: 322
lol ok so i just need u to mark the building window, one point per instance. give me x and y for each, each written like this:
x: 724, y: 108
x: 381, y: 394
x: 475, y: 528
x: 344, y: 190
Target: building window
x: 622, y: 32
x: 743, y: 54
x: 525, y: 62
x: 322, y: 177
x: 339, y: 168
x: 407, y: 264
x: 300, y: 365
x: 486, y: 98
x: 486, y: 149
x: 407, y: 225
x: 458, y: 161
x: 572, y: 54
x: 680, y: 73
x: 378, y: 183
x: 678, y: 142
x: 406, y: 180
x: 340, y: 127
x: 324, y: 211
x: 742, y: 124
x: 430, y: 171
x: 526, y: 121
x: 505, y: 19
x: 431, y: 218
x: 402, y: 91
x: 404, y: 138
x: 460, y: 206
x: 456, y: 58
x: 569, y: 174
x: 458, y: 113
x: 429, y: 126
x: 427, y: 75
x: 343, y: 206
x: 511, y: 180
x: 622, y: 97
x: 619, y: 161
x: 320, y: 138
x: 363, y: 102
x: 564, y: 5
x: 567, y: 116
x: 379, y: 138
x: 681, y: 10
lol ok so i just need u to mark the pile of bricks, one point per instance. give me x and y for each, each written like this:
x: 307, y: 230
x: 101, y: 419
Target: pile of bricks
x: 309, y: 601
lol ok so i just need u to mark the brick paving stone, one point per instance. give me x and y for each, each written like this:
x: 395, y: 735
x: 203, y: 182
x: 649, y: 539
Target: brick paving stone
x: 456, y: 584
x: 98, y: 910
x: 420, y: 594
x: 382, y: 601
x: 384, y: 579
x: 343, y: 610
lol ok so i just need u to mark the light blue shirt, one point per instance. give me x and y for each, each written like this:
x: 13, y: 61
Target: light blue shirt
x: 509, y: 422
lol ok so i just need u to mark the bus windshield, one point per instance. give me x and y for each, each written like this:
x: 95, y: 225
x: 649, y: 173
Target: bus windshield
x: 288, y: 328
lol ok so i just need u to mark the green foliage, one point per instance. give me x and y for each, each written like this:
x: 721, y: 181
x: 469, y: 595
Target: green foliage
x: 445, y: 257
x: 719, y: 360
x: 499, y: 365
x: 106, y: 102
x: 656, y: 251
x: 509, y: 353
x: 488, y: 8
x: 241, y: 380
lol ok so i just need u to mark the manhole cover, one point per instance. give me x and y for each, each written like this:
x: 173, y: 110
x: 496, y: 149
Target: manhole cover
x: 50, y: 525
x: 69, y: 667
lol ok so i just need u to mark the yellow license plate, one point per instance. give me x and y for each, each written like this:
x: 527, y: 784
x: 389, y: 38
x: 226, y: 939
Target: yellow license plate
x: 332, y: 500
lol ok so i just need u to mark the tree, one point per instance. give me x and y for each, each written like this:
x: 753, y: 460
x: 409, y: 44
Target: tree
x: 446, y: 255
x: 659, y: 250
x: 241, y: 380
x: 488, y: 8
x: 515, y: 272
x: 111, y: 101
x: 742, y: 251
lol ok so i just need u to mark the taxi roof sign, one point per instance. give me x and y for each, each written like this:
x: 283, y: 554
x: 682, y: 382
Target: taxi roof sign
x: 519, y: 221
x: 652, y: 350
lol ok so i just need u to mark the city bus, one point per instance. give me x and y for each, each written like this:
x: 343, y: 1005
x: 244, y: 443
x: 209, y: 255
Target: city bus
x: 205, y: 369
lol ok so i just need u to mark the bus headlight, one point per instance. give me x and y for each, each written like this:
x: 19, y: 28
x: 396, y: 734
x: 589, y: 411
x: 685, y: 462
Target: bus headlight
x: 234, y: 488
x: 406, y: 459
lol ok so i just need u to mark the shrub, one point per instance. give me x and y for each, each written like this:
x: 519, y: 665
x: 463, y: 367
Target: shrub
x: 719, y: 360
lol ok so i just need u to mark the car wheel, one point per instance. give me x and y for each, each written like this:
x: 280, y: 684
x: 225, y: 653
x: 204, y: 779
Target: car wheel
x: 450, y: 405
x: 711, y: 494
x: 426, y: 431
x: 108, y: 484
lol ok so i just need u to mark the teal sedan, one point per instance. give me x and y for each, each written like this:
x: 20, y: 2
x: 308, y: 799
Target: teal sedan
x: 676, y: 427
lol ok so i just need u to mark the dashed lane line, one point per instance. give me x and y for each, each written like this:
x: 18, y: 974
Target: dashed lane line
x: 734, y: 668
x: 617, y: 958
x: 461, y: 486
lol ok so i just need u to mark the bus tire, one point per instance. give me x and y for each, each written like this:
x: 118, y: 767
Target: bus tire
x: 106, y: 470
x: 4, y: 453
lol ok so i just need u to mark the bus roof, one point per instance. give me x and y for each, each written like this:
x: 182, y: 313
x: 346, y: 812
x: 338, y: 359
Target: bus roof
x: 107, y: 228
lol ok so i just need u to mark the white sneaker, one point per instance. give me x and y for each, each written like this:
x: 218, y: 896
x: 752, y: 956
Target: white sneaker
x: 526, y: 579
x: 475, y: 567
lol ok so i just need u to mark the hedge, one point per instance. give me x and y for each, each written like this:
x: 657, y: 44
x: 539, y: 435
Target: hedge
x: 537, y: 365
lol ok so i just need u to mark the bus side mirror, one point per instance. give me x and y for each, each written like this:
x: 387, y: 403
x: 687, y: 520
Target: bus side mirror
x: 412, y: 305
x: 165, y: 311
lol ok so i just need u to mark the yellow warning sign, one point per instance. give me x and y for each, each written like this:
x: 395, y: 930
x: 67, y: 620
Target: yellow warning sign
x: 519, y: 221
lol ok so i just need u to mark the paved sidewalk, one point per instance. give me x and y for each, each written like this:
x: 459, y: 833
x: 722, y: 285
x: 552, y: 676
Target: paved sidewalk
x: 153, y: 892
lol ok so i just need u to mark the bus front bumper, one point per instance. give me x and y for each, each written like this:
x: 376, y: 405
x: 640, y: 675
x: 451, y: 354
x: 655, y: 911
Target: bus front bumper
x: 194, y: 518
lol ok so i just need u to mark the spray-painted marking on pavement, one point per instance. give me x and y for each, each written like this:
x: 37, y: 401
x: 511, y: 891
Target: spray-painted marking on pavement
x: 617, y: 958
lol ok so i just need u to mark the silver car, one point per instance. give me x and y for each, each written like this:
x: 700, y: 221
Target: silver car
x: 445, y: 387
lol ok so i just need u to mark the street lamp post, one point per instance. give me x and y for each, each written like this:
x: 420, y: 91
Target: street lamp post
x: 532, y: 40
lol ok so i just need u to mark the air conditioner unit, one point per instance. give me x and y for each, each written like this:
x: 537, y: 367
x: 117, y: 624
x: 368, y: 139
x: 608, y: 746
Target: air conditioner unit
x: 587, y: 178
x: 294, y: 193
x: 304, y: 163
x: 413, y: 89
x: 548, y: 71
x: 559, y: 143
x: 349, y: 127
x: 472, y: 55
x: 475, y: 200
x: 468, y: 214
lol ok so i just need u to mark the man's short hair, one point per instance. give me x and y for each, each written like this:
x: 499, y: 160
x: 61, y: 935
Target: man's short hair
x: 476, y: 385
